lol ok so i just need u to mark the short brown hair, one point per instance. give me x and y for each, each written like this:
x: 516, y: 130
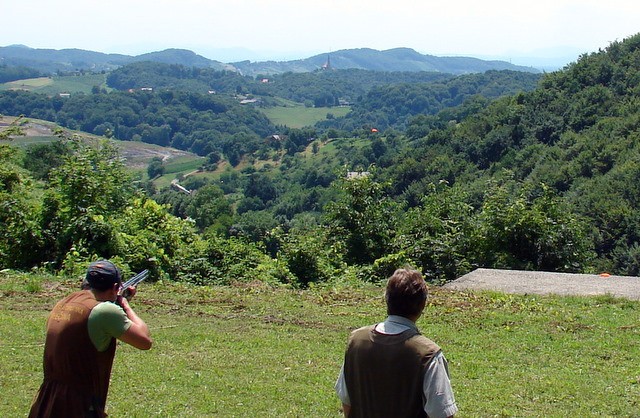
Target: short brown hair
x: 406, y: 293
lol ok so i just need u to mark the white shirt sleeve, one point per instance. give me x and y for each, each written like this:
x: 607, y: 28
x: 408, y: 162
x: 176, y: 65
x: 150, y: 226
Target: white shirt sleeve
x: 438, y: 394
x: 341, y: 388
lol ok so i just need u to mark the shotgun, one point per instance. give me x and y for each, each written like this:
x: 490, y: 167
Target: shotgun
x: 124, y: 290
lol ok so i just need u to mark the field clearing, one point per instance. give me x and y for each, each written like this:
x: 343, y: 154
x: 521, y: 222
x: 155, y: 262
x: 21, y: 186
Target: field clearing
x: 29, y: 84
x: 337, y: 150
x: 184, y: 164
x: 301, y: 116
x: 59, y: 84
x: 254, y: 350
x: 176, y: 166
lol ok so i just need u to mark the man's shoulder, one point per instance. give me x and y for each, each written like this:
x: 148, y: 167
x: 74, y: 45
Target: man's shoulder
x: 363, y: 330
x: 79, y: 296
x: 361, y: 333
x: 108, y: 316
x: 106, y: 309
x: 424, y: 344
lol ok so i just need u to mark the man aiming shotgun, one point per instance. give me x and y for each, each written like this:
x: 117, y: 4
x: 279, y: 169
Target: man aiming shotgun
x: 81, y: 343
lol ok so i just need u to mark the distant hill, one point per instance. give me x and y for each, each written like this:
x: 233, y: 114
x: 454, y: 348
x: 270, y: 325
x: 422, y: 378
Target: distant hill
x: 182, y: 57
x: 399, y: 59
x: 69, y: 60
x: 64, y: 60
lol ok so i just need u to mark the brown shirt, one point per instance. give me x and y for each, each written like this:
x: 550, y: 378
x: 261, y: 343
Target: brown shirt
x: 76, y: 374
x: 384, y: 373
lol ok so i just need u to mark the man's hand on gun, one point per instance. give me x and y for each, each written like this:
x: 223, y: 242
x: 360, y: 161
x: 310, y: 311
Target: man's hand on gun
x: 128, y: 288
x: 129, y: 292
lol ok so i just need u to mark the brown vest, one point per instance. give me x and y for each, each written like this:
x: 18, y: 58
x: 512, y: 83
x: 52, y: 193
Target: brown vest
x: 384, y: 373
x: 76, y: 374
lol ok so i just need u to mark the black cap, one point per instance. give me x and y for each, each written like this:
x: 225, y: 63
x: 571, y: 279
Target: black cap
x: 103, y: 274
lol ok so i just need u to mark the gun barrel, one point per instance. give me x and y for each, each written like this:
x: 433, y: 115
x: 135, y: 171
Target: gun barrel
x: 136, y: 279
x: 124, y: 290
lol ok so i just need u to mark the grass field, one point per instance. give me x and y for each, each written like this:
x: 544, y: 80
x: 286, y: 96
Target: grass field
x: 251, y: 350
x: 56, y: 84
x: 176, y: 166
x: 30, y: 84
x: 301, y: 116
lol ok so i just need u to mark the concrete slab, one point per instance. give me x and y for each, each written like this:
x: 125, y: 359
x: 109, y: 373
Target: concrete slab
x: 536, y: 282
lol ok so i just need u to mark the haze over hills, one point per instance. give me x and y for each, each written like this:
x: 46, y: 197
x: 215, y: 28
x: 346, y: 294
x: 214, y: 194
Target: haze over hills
x: 50, y: 61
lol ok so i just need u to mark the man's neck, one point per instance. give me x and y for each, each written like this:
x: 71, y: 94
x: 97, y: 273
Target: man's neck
x: 414, y: 318
x: 103, y: 295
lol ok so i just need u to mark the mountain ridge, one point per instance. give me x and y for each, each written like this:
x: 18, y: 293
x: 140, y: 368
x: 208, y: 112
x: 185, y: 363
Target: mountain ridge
x: 51, y: 61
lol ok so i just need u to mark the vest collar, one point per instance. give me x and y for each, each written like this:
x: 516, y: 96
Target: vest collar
x: 395, y: 324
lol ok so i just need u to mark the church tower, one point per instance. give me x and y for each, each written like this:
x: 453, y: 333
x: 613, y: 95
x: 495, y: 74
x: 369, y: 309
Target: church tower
x: 327, y: 65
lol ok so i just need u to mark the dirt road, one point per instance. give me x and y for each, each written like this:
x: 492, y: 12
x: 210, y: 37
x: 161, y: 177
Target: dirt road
x: 535, y: 282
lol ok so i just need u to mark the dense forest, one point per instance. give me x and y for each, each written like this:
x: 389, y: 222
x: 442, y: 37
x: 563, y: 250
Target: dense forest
x: 500, y: 175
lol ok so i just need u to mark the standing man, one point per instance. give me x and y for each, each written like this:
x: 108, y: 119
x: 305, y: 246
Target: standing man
x: 390, y: 370
x: 81, y: 343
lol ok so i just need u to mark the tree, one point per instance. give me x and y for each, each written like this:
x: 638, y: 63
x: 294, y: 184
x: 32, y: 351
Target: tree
x: 260, y: 186
x: 362, y: 220
x: 145, y: 235
x: 435, y: 236
x: 21, y: 239
x: 40, y: 159
x: 155, y: 168
x: 209, y: 207
x: 307, y: 256
x: 90, y: 187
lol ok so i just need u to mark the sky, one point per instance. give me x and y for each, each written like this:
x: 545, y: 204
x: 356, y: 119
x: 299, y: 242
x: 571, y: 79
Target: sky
x: 544, y: 31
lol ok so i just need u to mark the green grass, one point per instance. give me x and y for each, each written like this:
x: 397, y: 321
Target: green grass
x: 185, y: 164
x: 178, y: 165
x: 58, y: 84
x: 300, y: 116
x: 252, y: 350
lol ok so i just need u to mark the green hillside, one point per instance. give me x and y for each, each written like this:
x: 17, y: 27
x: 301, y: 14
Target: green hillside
x: 27, y: 84
x: 55, y: 85
x: 136, y: 155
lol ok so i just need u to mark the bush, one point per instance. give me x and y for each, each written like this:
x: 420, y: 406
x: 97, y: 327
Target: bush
x: 532, y: 230
x: 223, y: 261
